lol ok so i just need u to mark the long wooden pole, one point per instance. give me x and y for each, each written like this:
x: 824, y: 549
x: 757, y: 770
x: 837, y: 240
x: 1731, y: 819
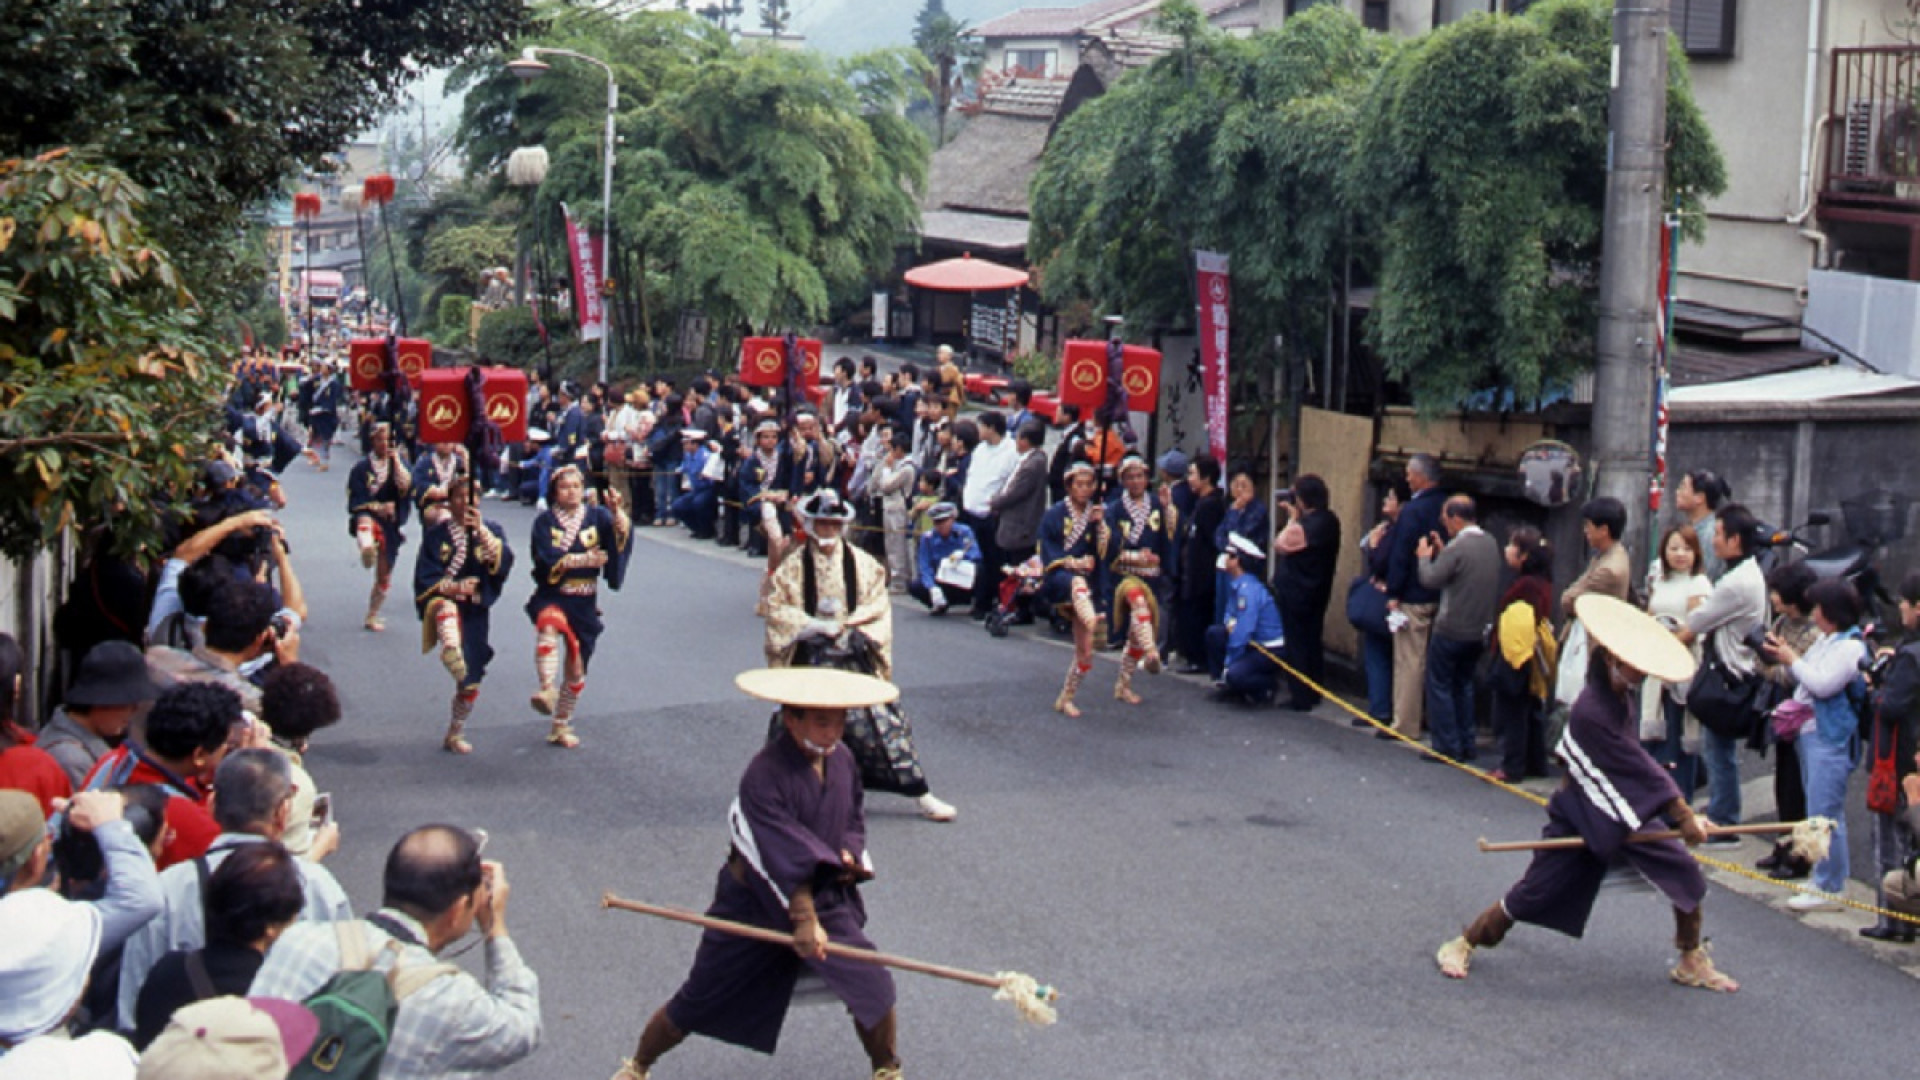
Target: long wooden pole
x: 775, y: 937
x: 1563, y: 842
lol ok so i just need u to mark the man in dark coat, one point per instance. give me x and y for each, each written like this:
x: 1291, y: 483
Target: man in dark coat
x: 1407, y: 597
x: 1307, y: 549
x: 1194, y: 613
x: 798, y: 859
x: 1614, y: 789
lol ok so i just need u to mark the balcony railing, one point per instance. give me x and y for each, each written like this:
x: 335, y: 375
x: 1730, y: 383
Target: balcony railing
x: 1873, y: 128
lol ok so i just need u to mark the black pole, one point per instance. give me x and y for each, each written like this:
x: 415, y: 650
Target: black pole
x: 393, y: 262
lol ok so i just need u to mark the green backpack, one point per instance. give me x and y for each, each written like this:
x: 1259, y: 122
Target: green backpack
x: 356, y: 1009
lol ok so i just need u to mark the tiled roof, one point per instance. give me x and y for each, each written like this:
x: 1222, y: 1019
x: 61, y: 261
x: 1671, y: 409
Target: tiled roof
x: 1038, y: 98
x: 1095, y: 17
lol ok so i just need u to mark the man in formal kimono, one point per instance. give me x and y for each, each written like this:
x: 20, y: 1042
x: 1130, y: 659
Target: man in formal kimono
x: 457, y: 577
x: 798, y: 858
x: 1614, y: 788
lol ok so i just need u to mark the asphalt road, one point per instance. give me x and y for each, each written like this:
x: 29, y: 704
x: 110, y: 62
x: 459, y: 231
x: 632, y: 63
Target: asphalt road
x: 1217, y: 892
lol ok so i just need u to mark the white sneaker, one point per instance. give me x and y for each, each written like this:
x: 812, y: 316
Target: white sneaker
x: 935, y: 810
x: 1806, y: 901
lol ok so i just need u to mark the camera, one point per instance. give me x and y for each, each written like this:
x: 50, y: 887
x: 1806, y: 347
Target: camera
x: 1874, y: 667
x: 1284, y: 495
x: 282, y: 624
x: 1756, y: 640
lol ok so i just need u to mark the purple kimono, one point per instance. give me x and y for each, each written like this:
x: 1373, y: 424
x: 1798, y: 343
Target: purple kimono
x: 789, y: 827
x: 1613, y: 788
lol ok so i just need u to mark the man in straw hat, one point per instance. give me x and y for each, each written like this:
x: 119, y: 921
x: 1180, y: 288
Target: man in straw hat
x: 799, y: 855
x: 1614, y: 789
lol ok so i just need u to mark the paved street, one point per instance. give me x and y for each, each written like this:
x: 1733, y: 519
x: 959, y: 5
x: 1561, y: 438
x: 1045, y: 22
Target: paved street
x: 1217, y: 892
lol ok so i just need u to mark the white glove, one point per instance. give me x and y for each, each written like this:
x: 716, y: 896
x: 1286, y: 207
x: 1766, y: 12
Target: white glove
x: 821, y: 628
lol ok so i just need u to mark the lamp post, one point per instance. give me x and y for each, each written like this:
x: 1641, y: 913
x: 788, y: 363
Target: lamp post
x: 527, y: 67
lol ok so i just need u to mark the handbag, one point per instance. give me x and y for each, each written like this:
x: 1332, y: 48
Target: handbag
x: 1722, y: 700
x: 956, y: 573
x: 714, y: 468
x: 1570, y: 678
x: 1883, y: 780
x: 1367, y: 607
x: 1789, y: 717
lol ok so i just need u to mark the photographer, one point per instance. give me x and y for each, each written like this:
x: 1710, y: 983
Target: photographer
x: 244, y: 634
x: 1896, y: 704
x: 1306, y: 551
x: 255, y: 531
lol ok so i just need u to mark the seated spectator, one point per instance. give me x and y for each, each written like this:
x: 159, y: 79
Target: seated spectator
x: 254, y: 791
x: 254, y: 1038
x: 436, y: 891
x: 24, y: 766
x: 240, y: 630
x: 699, y: 497
x: 186, y: 737
x: 252, y: 898
x: 942, y: 546
x: 111, y: 686
x: 297, y: 700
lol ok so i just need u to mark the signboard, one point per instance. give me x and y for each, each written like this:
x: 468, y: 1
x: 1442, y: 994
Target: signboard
x: 1215, y: 292
x: 763, y: 362
x: 1083, y: 376
x: 367, y: 361
x: 445, y: 405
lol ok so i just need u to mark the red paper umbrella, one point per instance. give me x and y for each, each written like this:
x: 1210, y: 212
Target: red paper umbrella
x: 378, y: 189
x: 965, y: 274
x: 306, y: 205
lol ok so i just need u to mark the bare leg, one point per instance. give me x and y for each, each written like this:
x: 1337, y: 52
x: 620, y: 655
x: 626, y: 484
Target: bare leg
x: 1696, y: 967
x: 659, y: 1037
x: 879, y: 1042
x: 1487, y: 930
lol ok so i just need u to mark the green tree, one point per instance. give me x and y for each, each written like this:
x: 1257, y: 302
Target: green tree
x: 1230, y: 144
x: 1482, y: 161
x: 759, y: 186
x: 950, y: 53
x: 211, y: 105
x: 108, y: 382
x: 775, y: 16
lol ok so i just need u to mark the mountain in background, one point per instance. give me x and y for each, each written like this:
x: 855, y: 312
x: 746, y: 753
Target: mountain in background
x: 844, y: 27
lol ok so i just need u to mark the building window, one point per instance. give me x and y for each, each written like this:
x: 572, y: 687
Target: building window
x: 1705, y: 27
x: 1038, y: 62
x: 1373, y: 15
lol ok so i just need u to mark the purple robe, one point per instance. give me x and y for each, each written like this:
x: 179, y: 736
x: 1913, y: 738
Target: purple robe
x: 789, y: 826
x: 1613, y: 789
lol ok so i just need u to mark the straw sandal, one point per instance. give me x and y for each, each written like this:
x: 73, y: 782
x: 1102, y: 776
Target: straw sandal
x: 1456, y: 955
x: 562, y: 736
x: 1064, y: 704
x: 630, y: 1071
x: 456, y: 743
x: 375, y: 623
x: 1696, y: 969
x: 545, y: 701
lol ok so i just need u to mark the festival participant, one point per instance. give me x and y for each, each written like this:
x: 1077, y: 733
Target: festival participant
x: 1615, y: 789
x: 574, y: 545
x: 1072, y: 535
x: 1139, y: 547
x: 829, y: 607
x: 329, y: 397
x: 377, y: 510
x: 798, y: 860
x: 457, y: 578
x: 433, y: 475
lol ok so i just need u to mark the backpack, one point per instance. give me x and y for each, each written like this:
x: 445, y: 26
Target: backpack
x: 356, y: 1009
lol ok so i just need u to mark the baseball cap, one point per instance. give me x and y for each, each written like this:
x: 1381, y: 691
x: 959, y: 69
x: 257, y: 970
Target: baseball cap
x: 231, y: 1038
x: 22, y: 823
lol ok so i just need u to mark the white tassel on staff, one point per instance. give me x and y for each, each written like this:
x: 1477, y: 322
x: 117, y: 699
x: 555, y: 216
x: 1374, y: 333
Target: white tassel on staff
x: 1032, y: 1000
x: 527, y: 166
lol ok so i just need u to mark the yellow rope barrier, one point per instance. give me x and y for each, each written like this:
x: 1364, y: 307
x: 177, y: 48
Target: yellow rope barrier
x: 1537, y: 800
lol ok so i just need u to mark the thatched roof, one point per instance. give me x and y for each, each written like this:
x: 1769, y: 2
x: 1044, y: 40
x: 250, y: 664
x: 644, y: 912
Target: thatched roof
x: 988, y: 167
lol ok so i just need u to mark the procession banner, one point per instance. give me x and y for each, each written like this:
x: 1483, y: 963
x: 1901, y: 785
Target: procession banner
x: 585, y: 251
x: 1214, y: 291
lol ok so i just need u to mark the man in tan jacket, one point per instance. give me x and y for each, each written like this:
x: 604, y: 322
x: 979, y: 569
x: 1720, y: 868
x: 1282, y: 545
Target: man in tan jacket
x: 1610, y: 571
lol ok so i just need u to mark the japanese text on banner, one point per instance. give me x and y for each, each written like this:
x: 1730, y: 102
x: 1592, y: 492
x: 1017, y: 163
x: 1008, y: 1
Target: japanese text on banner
x: 1211, y: 274
x: 586, y: 252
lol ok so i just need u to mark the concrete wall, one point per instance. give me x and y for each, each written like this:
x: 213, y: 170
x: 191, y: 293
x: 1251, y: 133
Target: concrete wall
x: 29, y: 594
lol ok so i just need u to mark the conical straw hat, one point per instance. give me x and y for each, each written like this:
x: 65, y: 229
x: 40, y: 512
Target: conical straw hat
x: 1635, y: 638
x: 816, y: 688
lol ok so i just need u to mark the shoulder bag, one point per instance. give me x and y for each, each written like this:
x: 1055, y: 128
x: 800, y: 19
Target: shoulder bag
x: 1721, y: 699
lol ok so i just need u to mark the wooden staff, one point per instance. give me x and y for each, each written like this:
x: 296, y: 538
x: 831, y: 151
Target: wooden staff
x: 1029, y: 997
x: 1564, y: 842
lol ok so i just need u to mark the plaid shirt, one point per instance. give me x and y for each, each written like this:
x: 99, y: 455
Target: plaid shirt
x: 453, y: 1027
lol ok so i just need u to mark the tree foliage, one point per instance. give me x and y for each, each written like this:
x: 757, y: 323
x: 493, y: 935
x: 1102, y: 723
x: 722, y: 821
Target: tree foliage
x: 1229, y: 144
x: 1466, y: 169
x: 106, y: 373
x: 759, y: 185
x: 1483, y: 167
x: 211, y: 105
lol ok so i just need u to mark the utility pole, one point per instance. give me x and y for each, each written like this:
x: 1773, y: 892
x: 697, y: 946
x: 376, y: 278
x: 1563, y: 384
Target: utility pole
x: 1630, y: 259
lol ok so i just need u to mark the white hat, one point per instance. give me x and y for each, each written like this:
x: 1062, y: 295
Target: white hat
x: 693, y: 433
x: 46, y: 954
x: 99, y: 1056
x: 1633, y: 637
x: 231, y: 1038
x: 1243, y: 548
x: 817, y: 688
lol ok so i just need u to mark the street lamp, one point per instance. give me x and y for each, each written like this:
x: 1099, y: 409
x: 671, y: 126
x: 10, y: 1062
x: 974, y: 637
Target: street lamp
x: 527, y: 67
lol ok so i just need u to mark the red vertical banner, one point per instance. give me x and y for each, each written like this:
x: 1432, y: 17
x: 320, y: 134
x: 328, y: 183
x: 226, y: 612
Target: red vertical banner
x: 586, y: 252
x: 1662, y: 384
x: 1215, y: 292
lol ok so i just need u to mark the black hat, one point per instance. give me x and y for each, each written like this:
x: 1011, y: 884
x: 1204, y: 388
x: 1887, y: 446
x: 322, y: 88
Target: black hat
x: 113, y: 673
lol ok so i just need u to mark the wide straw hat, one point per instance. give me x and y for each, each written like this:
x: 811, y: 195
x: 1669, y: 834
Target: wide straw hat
x: 1635, y: 638
x: 816, y: 688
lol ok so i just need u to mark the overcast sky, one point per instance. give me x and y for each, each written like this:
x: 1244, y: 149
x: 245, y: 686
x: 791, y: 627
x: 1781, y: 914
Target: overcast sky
x: 850, y: 26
